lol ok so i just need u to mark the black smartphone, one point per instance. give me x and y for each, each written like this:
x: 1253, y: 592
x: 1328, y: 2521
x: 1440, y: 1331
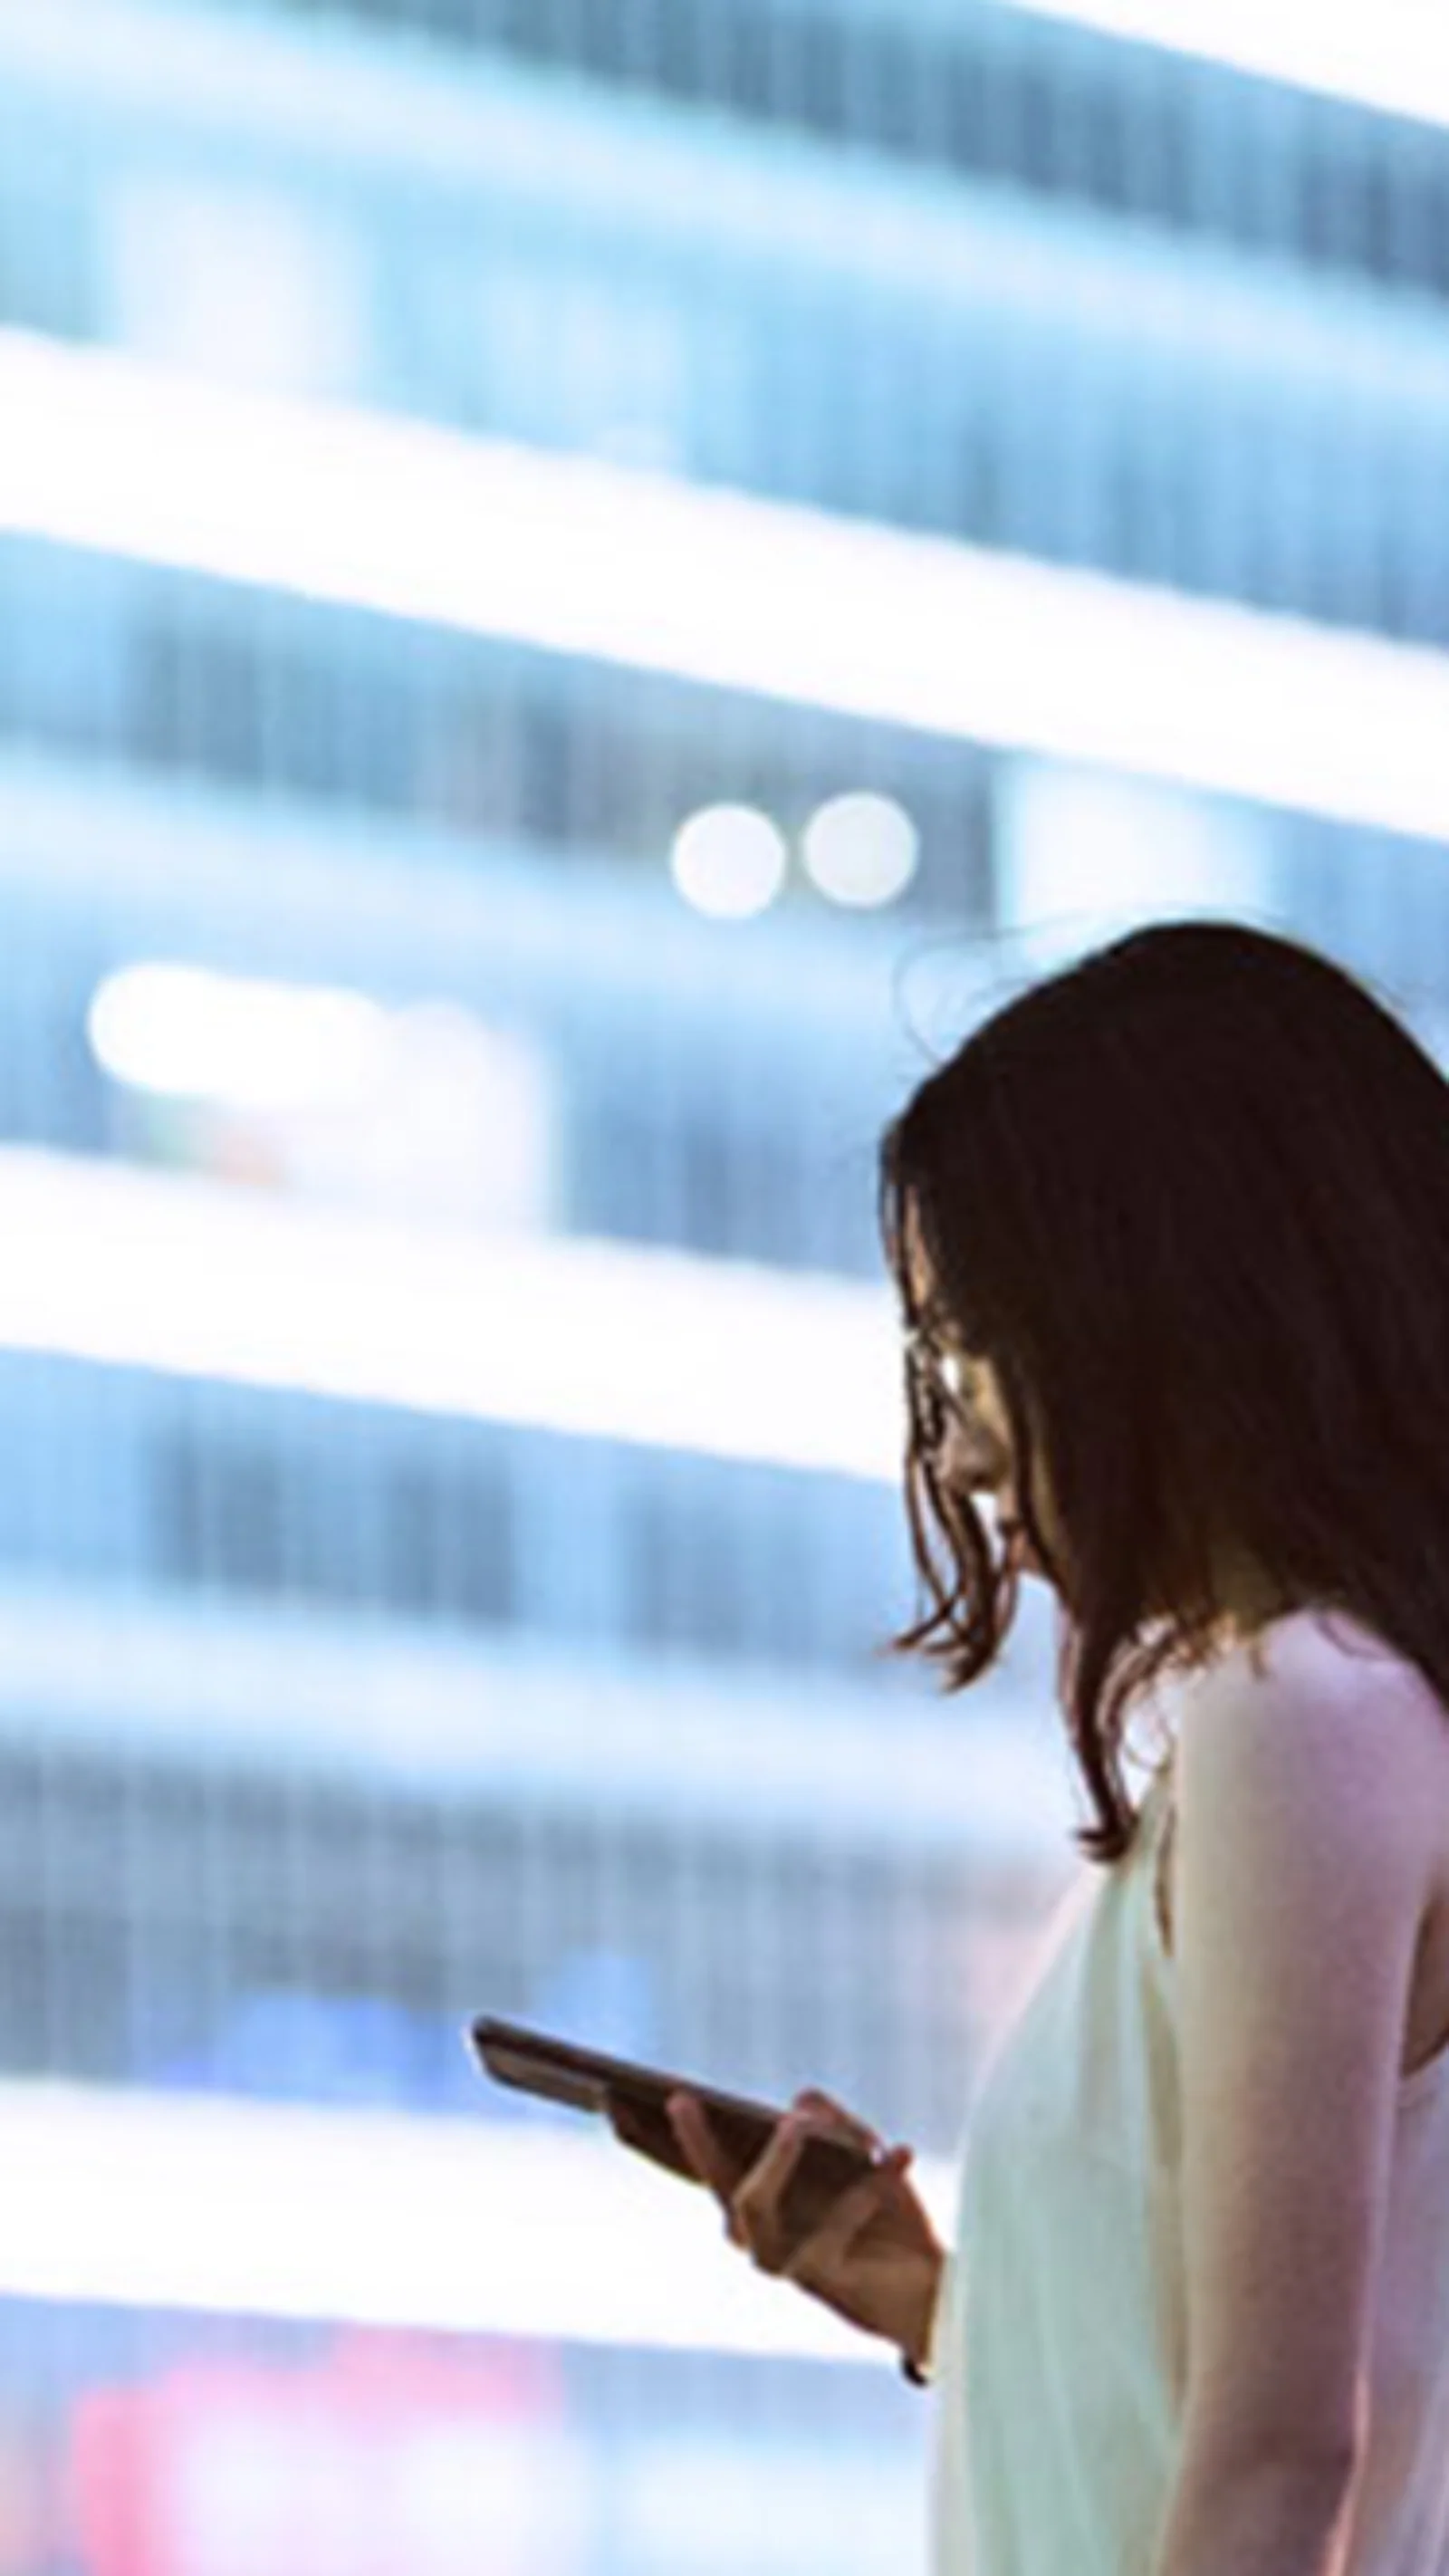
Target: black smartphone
x: 584, y: 2078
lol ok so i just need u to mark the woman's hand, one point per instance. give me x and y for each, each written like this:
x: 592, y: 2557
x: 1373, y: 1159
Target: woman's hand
x: 874, y: 2257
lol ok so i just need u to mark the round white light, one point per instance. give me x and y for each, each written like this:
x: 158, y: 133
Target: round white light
x: 861, y: 849
x: 729, y: 860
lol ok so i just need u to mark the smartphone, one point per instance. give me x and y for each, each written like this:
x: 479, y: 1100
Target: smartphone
x: 585, y: 2079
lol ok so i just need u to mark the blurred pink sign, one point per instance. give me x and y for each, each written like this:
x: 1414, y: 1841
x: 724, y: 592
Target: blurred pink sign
x: 384, y: 2456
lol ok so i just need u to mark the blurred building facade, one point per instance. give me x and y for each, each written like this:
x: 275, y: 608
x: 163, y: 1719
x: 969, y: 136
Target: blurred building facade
x: 446, y: 1371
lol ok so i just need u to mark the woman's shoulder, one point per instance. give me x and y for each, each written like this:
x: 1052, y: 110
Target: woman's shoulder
x: 1319, y: 1640
x: 1324, y: 1647
x: 1360, y: 1690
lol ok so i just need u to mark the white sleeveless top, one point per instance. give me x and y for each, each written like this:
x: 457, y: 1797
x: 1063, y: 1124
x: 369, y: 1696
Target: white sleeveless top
x: 1059, y: 2341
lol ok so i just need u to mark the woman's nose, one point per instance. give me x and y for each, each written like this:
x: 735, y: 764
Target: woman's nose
x: 971, y: 1460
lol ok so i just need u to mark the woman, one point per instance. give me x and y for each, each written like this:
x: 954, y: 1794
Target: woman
x: 1171, y: 1239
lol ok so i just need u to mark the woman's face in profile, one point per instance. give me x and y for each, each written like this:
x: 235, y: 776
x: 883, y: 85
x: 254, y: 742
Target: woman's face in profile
x: 976, y: 1453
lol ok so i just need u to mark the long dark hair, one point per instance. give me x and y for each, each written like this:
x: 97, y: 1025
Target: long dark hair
x: 1190, y: 1195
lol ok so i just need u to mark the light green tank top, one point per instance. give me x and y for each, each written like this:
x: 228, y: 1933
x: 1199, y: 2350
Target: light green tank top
x: 1059, y: 2346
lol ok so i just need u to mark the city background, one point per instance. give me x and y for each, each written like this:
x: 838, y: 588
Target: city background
x: 584, y: 585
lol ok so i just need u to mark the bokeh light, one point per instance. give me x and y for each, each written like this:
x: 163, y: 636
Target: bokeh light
x: 729, y: 861
x: 861, y: 850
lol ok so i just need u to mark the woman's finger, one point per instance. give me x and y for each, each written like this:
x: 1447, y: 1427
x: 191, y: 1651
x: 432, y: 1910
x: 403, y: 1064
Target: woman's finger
x: 754, y: 2209
x: 690, y: 2123
x: 841, y: 2123
x: 833, y: 2238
